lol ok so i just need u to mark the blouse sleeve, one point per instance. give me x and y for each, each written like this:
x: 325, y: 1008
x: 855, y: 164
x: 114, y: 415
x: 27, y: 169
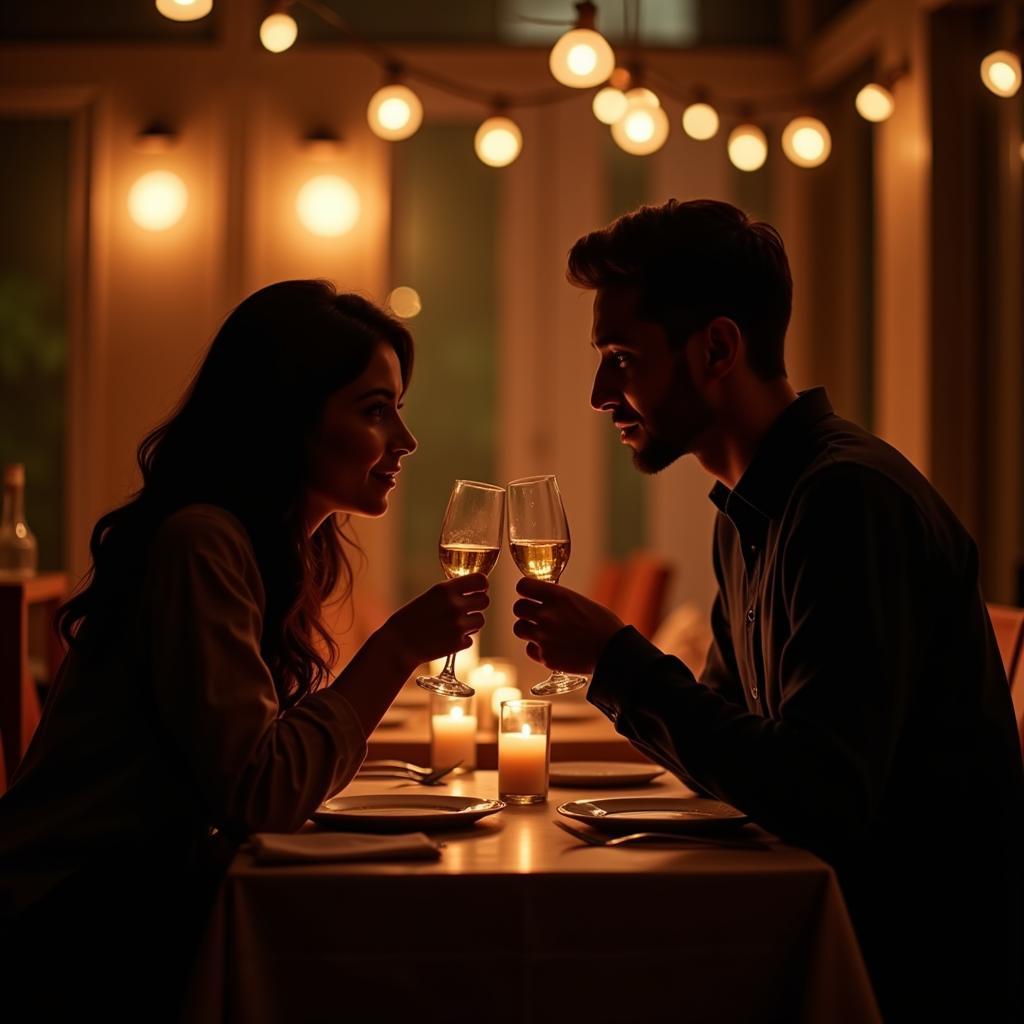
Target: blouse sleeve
x: 256, y: 767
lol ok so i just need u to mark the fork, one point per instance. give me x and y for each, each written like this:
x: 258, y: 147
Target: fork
x: 593, y: 840
x: 432, y: 778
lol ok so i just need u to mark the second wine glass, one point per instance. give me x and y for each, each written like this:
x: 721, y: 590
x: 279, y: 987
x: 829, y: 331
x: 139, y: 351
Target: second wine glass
x: 538, y: 537
x: 470, y: 542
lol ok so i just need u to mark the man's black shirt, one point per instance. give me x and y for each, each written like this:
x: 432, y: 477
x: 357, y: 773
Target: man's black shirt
x: 854, y: 702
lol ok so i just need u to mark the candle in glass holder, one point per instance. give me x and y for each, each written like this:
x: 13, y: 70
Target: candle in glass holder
x: 524, y: 751
x: 487, y: 678
x: 452, y: 732
x: 502, y: 694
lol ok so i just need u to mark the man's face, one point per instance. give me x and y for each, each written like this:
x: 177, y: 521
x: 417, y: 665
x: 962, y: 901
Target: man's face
x: 647, y: 384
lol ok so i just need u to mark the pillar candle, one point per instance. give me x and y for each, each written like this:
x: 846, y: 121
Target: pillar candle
x: 453, y: 738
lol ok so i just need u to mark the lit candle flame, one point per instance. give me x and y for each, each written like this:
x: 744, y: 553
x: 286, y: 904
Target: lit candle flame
x: 457, y: 712
x: 526, y: 730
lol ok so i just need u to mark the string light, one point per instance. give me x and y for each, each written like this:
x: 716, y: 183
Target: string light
x: 643, y: 128
x: 498, y: 141
x: 806, y: 141
x: 609, y: 104
x: 582, y: 57
x: 405, y: 302
x: 1000, y: 71
x: 700, y: 121
x: 875, y: 103
x: 184, y: 10
x: 278, y: 32
x: 328, y: 206
x: 157, y: 201
x: 395, y: 112
x: 748, y: 147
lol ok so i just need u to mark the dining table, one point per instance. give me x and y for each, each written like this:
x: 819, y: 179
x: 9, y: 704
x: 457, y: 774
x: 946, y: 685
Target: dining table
x: 517, y: 921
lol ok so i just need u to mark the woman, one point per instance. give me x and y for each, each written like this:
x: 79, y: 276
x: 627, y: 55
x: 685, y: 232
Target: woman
x: 191, y: 703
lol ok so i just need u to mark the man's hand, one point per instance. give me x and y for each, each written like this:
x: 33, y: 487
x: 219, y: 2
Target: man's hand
x: 563, y: 629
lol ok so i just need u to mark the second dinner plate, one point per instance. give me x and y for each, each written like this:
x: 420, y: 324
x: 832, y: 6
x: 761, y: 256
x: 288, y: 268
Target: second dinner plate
x: 391, y: 812
x: 602, y: 773
x: 655, y: 814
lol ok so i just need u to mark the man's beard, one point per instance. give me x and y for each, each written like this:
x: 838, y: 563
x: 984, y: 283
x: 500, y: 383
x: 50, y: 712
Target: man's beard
x: 661, y: 451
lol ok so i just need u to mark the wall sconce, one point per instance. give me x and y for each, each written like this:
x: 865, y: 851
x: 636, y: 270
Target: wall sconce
x: 158, y: 199
x: 328, y: 206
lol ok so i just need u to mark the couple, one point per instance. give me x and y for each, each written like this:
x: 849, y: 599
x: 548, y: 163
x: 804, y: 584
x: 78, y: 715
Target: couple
x: 853, y: 700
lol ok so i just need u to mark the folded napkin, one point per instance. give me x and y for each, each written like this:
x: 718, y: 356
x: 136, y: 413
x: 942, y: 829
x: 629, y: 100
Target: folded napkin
x: 289, y: 848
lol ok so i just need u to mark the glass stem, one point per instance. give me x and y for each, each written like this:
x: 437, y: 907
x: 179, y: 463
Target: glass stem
x: 448, y: 672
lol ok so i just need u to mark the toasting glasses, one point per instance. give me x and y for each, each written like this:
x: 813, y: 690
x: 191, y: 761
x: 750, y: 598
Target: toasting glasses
x: 470, y: 542
x: 538, y: 536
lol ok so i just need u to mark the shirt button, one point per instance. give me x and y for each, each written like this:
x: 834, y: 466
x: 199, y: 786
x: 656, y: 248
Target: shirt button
x: 751, y: 615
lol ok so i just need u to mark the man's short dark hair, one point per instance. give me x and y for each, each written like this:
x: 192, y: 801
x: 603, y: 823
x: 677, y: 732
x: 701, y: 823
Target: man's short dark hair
x: 692, y: 262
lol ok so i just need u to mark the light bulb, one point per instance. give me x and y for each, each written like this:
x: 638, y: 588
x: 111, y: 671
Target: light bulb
x: 1000, y: 71
x: 643, y: 128
x: 875, y: 103
x: 609, y: 105
x: 395, y: 112
x: 184, y: 10
x: 641, y: 95
x: 700, y: 121
x: 748, y: 148
x: 498, y: 141
x: 278, y: 32
x: 581, y: 58
x: 328, y: 206
x: 157, y: 200
x: 405, y: 302
x: 806, y: 141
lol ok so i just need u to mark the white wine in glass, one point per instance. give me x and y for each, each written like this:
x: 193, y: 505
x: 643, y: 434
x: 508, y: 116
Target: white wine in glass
x: 538, y: 537
x: 470, y: 542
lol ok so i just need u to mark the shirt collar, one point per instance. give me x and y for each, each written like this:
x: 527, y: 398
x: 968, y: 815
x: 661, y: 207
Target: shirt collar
x: 784, y: 451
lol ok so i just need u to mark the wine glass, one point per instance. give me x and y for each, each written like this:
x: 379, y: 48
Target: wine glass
x: 538, y: 536
x: 470, y: 542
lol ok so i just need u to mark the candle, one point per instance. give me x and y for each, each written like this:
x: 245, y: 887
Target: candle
x: 502, y: 694
x: 453, y: 736
x: 524, y: 751
x: 488, y: 677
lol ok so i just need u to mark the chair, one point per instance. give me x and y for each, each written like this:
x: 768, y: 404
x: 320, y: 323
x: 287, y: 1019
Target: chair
x: 19, y: 704
x: 641, y: 594
x: 607, y: 582
x: 1008, y: 624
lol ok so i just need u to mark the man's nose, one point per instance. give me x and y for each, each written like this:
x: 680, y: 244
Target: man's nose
x: 603, y: 398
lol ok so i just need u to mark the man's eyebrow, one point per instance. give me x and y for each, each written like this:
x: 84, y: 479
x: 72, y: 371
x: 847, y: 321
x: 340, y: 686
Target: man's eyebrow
x: 610, y: 339
x: 383, y: 392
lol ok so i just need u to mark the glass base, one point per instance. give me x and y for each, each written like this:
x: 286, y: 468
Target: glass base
x: 523, y: 798
x: 558, y: 682
x: 447, y: 686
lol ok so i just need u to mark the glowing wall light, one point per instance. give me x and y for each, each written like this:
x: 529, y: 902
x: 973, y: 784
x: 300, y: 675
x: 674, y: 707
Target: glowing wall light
x: 328, y: 206
x: 157, y: 200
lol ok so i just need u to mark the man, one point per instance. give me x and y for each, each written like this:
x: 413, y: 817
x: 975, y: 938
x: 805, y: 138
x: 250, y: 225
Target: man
x: 853, y: 700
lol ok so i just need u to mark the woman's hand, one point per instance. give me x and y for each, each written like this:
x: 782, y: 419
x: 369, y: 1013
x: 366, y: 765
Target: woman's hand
x: 563, y: 629
x: 441, y: 620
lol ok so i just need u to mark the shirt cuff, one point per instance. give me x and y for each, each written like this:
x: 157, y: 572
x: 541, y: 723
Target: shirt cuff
x: 625, y: 654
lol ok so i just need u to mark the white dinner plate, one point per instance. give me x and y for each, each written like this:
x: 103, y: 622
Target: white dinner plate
x: 654, y: 814
x: 602, y: 773
x: 392, y: 812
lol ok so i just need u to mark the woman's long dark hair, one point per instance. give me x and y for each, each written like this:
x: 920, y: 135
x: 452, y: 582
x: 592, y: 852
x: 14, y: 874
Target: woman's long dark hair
x: 238, y: 439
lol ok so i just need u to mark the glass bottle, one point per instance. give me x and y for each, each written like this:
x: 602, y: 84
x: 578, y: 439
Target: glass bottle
x: 18, y: 550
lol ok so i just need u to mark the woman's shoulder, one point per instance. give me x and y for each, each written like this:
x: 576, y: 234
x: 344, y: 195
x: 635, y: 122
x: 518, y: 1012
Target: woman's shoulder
x: 206, y: 529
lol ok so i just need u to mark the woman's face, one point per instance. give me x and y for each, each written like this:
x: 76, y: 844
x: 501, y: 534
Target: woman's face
x: 355, y: 452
